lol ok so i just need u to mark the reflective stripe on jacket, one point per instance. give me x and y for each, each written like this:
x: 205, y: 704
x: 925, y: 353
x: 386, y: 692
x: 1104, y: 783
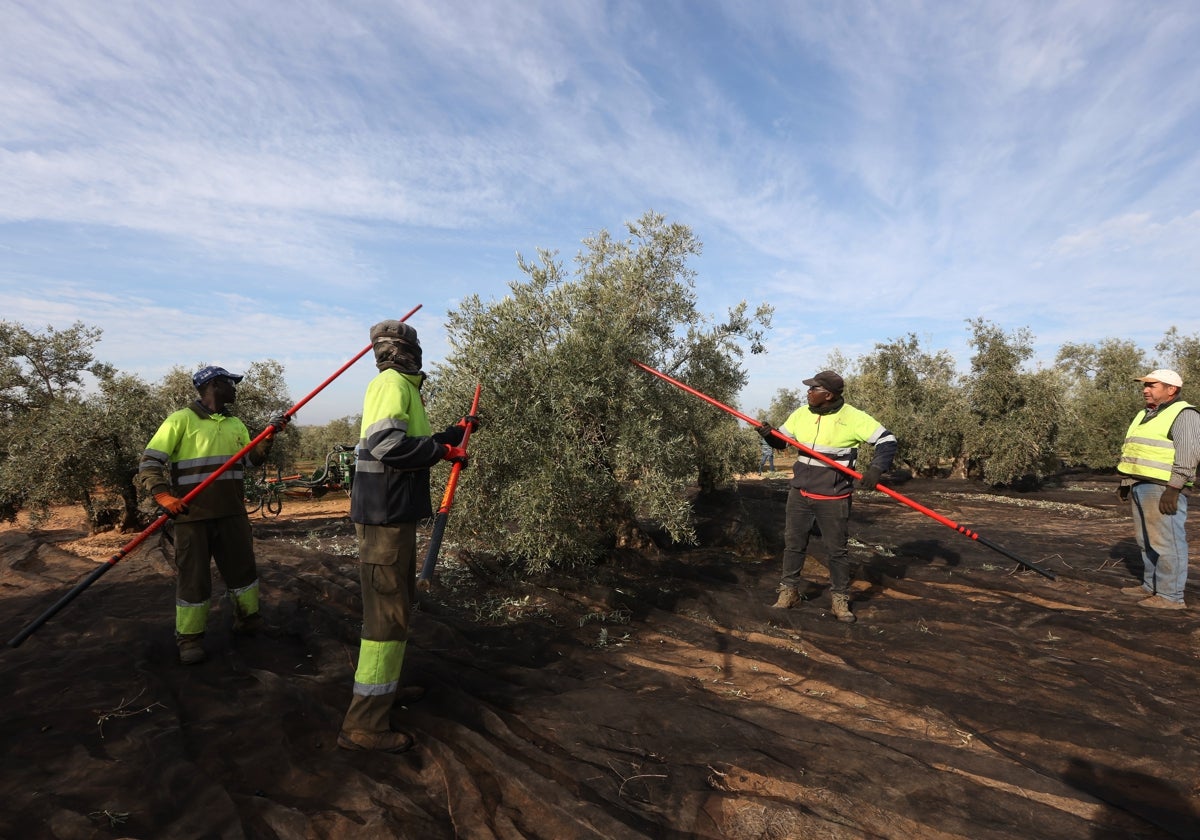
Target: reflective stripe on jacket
x: 837, y: 436
x: 395, y: 452
x: 1149, y: 452
x: 189, y: 446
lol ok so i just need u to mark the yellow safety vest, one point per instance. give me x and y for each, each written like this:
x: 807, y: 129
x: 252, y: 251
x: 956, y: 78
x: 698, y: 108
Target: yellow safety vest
x: 1149, y: 452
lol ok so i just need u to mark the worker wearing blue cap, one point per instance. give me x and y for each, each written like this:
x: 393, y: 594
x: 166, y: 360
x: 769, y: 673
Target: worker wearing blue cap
x: 189, y: 446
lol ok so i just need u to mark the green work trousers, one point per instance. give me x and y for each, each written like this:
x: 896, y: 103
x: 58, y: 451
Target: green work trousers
x: 388, y: 572
x: 227, y: 541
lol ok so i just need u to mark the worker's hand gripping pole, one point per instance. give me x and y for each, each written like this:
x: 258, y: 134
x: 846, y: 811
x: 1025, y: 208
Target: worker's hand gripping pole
x: 443, y: 513
x: 827, y: 460
x: 271, y: 429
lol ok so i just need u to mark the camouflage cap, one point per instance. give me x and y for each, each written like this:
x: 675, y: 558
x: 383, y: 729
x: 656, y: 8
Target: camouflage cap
x: 394, y: 331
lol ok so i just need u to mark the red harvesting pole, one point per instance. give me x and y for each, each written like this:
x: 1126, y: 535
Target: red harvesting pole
x: 158, y: 523
x: 439, y: 521
x: 949, y: 523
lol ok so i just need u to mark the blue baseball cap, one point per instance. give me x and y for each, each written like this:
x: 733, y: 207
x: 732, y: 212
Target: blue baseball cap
x: 210, y: 373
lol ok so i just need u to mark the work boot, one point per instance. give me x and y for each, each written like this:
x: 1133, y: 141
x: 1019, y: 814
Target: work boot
x: 191, y: 649
x: 789, y: 596
x: 841, y: 608
x: 1135, y: 591
x: 388, y: 741
x: 1158, y: 602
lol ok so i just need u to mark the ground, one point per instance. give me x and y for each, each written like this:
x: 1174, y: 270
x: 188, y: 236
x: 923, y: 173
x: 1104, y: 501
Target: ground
x: 656, y: 695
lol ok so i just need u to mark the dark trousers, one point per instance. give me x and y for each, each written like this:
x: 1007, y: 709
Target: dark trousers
x: 227, y: 541
x: 832, y: 516
x: 388, y: 571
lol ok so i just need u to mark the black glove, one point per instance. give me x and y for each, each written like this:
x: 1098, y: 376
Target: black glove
x: 1168, y: 502
x: 1123, y: 492
x: 469, y: 421
x: 767, y: 431
x: 452, y: 436
x: 870, y: 478
x: 280, y: 422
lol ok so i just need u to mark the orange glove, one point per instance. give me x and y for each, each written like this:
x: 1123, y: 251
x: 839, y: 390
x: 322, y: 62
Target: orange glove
x: 171, y: 504
x: 456, y: 454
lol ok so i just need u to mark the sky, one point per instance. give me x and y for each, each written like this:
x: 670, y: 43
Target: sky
x: 226, y: 182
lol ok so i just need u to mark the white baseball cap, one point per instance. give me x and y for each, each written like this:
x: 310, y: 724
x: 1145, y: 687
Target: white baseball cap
x: 1167, y: 377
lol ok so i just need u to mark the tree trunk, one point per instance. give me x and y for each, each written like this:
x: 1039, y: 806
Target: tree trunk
x: 959, y: 468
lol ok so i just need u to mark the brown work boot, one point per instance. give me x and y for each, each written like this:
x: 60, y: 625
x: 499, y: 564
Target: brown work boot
x: 841, y: 608
x: 1158, y: 602
x: 191, y: 649
x: 788, y: 598
x: 1136, y: 591
x: 388, y: 741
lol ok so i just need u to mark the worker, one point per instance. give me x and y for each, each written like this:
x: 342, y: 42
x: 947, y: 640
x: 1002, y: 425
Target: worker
x: 820, y: 494
x: 189, y: 446
x: 390, y: 495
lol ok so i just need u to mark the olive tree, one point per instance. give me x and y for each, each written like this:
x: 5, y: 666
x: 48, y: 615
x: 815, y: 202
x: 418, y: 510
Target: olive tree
x: 1015, y: 412
x: 918, y: 397
x: 45, y: 428
x: 1181, y: 353
x: 316, y: 442
x: 579, y: 449
x: 783, y: 403
x: 1100, y: 398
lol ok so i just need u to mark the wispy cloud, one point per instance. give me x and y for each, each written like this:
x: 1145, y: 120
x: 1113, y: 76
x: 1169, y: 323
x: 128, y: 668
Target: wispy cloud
x: 871, y: 168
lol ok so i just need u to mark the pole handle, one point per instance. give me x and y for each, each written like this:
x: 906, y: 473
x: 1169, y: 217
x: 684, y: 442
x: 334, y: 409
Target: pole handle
x: 443, y: 513
x: 431, y: 554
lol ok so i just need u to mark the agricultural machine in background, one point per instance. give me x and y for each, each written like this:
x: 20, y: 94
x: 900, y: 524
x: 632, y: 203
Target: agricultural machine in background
x: 265, y: 493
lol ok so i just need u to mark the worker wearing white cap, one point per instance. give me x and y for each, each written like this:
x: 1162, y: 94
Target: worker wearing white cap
x: 1159, y: 458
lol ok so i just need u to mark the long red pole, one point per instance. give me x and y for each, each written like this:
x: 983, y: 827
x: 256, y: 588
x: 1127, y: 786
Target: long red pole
x: 443, y: 514
x: 158, y: 523
x: 937, y: 517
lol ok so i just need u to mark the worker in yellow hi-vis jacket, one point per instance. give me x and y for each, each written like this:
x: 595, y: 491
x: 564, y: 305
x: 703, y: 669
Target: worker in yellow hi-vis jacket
x: 390, y: 495
x: 189, y: 446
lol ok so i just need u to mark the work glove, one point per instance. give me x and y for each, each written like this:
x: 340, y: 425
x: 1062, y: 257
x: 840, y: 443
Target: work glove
x: 469, y: 421
x: 452, y: 436
x: 870, y: 478
x: 1168, y: 502
x: 280, y: 422
x: 765, y: 429
x: 456, y: 454
x: 1123, y: 492
x: 173, y: 505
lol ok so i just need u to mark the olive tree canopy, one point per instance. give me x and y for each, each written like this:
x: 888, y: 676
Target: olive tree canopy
x: 578, y: 446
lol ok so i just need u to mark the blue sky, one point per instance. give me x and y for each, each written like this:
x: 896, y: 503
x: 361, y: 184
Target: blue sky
x: 226, y: 182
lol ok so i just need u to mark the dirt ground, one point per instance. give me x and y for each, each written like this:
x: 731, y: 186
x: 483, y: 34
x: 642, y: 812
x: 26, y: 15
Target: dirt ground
x: 656, y: 695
